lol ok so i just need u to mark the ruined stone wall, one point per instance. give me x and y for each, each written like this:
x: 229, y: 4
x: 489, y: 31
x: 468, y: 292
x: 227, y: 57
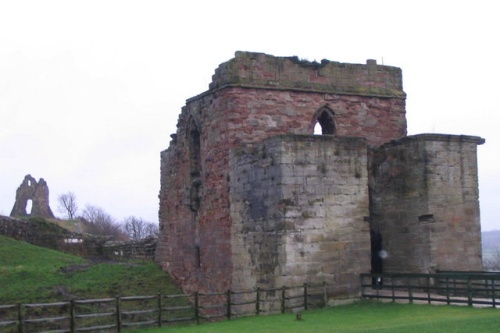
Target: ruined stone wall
x: 291, y: 73
x: 253, y: 97
x: 38, y: 193
x: 424, y: 193
x: 137, y: 249
x: 299, y: 208
x: 38, y: 231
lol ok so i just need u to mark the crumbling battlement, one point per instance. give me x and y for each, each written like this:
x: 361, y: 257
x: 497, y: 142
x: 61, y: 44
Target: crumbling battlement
x: 259, y: 70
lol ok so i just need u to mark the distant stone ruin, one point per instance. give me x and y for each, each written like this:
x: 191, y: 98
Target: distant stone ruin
x: 36, y: 193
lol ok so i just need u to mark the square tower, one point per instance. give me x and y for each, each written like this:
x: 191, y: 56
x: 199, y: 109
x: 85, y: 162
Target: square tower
x: 207, y: 233
x: 250, y: 197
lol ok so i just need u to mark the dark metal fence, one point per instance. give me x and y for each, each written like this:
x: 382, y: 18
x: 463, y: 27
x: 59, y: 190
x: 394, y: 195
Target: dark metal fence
x: 471, y: 288
x: 117, y: 314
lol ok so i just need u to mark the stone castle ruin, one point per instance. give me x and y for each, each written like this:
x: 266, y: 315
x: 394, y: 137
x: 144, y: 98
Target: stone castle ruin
x: 251, y: 197
x: 36, y: 193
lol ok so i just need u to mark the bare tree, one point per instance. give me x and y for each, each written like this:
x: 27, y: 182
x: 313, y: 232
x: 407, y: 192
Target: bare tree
x: 137, y: 228
x: 67, y: 204
x: 101, y: 223
x: 152, y: 229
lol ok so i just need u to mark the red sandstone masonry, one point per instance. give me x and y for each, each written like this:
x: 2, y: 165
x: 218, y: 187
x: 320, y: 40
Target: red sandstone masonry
x: 253, y: 97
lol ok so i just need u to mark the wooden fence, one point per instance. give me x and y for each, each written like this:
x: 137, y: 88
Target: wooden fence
x: 120, y: 313
x: 470, y: 288
x: 117, y: 314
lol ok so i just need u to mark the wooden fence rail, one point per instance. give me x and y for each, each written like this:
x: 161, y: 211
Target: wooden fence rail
x: 117, y: 314
x: 471, y: 288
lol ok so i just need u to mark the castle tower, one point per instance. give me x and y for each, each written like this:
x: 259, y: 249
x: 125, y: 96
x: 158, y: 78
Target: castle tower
x: 249, y: 194
x: 251, y: 197
x: 424, y: 203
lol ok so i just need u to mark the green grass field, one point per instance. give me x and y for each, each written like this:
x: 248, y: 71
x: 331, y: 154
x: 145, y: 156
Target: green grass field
x: 30, y: 274
x: 359, y: 317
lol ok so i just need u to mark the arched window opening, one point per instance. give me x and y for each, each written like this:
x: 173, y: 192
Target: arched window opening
x: 324, y: 124
x: 317, y: 129
x: 29, y: 206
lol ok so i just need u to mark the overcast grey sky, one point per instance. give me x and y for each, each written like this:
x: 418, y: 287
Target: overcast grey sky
x: 90, y: 91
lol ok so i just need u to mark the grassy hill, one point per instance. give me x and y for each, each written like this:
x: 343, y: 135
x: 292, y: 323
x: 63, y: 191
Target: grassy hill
x: 30, y: 273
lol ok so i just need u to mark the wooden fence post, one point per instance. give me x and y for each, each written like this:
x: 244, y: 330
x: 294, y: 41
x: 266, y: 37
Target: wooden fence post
x: 410, y: 290
x: 493, y: 298
x: 19, y: 318
x: 428, y: 290
x: 118, y: 315
x: 361, y: 280
x: 393, y: 291
x: 469, y: 291
x: 228, y: 304
x: 447, y: 290
x: 325, y: 297
x: 257, y: 301
x: 196, y: 309
x: 305, y: 296
x: 283, y: 295
x: 72, y: 321
x: 160, y: 310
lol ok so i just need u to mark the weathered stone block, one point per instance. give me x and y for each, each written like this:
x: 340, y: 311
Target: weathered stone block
x: 425, y: 173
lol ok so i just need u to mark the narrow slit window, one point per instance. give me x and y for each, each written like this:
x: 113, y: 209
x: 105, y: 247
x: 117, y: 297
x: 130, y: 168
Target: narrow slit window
x: 195, y: 165
x: 194, y: 147
x: 198, y: 256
